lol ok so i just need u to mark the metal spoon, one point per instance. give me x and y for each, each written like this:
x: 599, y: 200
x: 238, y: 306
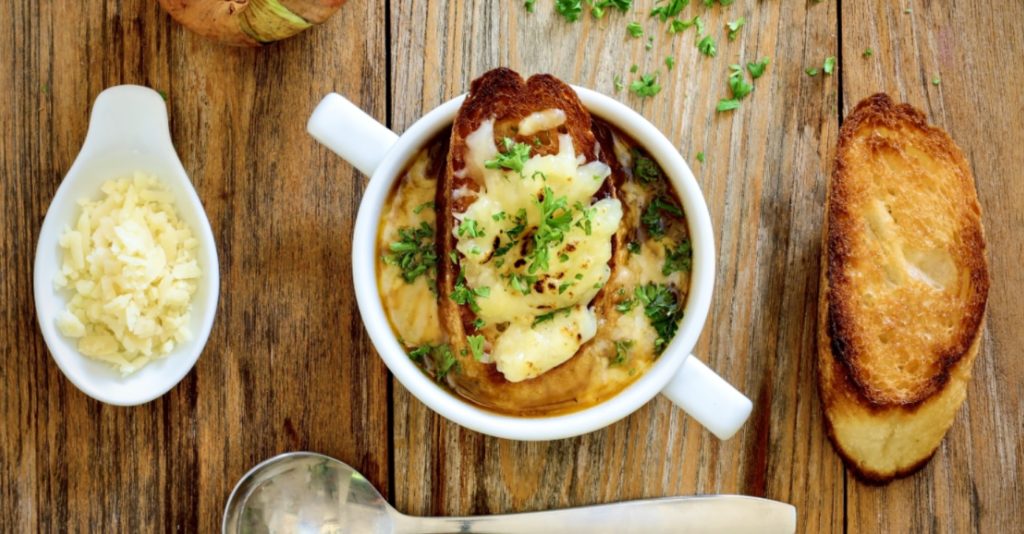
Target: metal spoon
x: 306, y: 492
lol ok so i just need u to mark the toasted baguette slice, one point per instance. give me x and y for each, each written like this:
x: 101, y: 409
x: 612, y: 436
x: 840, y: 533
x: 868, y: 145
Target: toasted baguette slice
x: 903, y: 289
x: 503, y: 95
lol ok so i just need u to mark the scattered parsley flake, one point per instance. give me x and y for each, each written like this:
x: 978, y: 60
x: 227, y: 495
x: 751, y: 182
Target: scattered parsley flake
x: 646, y: 86
x: 700, y: 157
x: 634, y: 68
x: 829, y: 65
x: 868, y: 52
x: 707, y: 46
x: 678, y: 258
x: 622, y: 347
x: 513, y: 158
x: 414, y: 252
x: 635, y: 29
x: 551, y: 315
x: 476, y: 345
x: 650, y: 43
x: 644, y: 167
x: 570, y: 9
x: 727, y: 104
x: 663, y: 310
x: 670, y: 62
x: 530, y: 5
x: 936, y: 81
x: 421, y: 207
x: 734, y: 27
x: 811, y: 71
x: 757, y: 68
x: 668, y: 9
x: 617, y: 81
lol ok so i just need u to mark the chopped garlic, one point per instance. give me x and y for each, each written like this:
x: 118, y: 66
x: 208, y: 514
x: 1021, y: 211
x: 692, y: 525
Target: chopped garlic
x: 130, y: 268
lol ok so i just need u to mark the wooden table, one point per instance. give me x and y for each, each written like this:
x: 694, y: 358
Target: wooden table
x: 288, y: 365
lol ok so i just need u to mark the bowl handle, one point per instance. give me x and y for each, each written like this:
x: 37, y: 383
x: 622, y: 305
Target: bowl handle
x: 713, y: 402
x: 350, y: 133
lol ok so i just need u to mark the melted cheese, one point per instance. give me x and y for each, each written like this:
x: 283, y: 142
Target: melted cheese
x: 577, y: 265
x: 539, y: 121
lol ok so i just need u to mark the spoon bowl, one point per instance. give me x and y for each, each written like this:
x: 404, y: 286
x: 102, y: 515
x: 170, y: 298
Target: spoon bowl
x: 128, y: 133
x: 309, y: 492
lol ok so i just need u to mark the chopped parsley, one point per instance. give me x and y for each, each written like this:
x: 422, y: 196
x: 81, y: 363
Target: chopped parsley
x: 700, y: 157
x: 740, y: 88
x: 635, y: 29
x: 829, y: 65
x: 565, y: 285
x: 421, y: 207
x: 622, y: 347
x: 513, y: 158
x: 617, y: 82
x: 598, y: 6
x: 811, y: 71
x: 868, y: 52
x: 650, y: 43
x: 668, y: 9
x: 663, y: 311
x: 734, y: 27
x: 670, y: 62
x: 521, y: 282
x: 634, y: 68
x: 707, y: 46
x: 414, y: 252
x: 633, y: 247
x: 757, y: 68
x: 476, y: 344
x: 652, y: 216
x: 530, y: 5
x: 936, y: 80
x: 625, y: 305
x: 500, y: 216
x: 679, y: 25
x: 585, y: 221
x: 463, y: 295
x: 554, y: 223
x: 678, y: 258
x: 570, y: 9
x: 645, y: 168
x: 442, y: 357
x: 551, y: 315
x: 647, y: 85
x: 727, y: 104
x: 469, y: 228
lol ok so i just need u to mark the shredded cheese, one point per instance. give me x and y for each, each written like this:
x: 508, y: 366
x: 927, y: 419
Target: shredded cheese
x: 130, y: 267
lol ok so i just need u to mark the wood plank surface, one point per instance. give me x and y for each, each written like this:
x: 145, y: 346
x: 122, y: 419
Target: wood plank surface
x: 289, y: 366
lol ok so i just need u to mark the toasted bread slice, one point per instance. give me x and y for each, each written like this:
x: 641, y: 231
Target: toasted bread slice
x: 904, y: 284
x: 504, y: 96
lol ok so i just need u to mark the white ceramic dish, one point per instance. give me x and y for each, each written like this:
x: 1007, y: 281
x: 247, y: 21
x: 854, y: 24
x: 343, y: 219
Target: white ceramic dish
x: 381, y: 154
x: 128, y: 132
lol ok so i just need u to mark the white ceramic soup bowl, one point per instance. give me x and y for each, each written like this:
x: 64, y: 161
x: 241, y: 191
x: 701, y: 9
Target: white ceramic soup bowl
x: 381, y: 154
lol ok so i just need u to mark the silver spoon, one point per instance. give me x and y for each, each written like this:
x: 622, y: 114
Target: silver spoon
x: 305, y: 492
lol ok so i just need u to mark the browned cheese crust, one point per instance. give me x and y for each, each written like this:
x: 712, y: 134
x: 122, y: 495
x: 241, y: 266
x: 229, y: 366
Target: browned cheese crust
x: 904, y: 283
x: 502, y: 94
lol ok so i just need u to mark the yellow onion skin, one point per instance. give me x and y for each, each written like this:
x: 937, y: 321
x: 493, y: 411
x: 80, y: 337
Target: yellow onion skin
x: 249, y: 22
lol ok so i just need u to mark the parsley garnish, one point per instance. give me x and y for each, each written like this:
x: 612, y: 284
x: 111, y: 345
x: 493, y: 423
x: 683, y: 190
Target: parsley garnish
x: 550, y: 316
x: 652, y: 216
x: 529, y: 4
x: 829, y: 65
x: 476, y: 344
x: 634, y: 68
x: 570, y: 9
x: 661, y: 306
x: 421, y: 207
x: 650, y: 43
x: 647, y: 85
x: 679, y: 258
x: 635, y: 29
x: 625, y: 305
x: 468, y: 227
x: 936, y: 80
x: 414, y: 251
x: 419, y: 352
x: 598, y: 6
x: 617, y: 82
x: 707, y: 46
x: 700, y: 157
x: 554, y: 222
x: 740, y: 88
x: 727, y: 104
x: 441, y: 355
x: 633, y: 247
x: 757, y: 68
x: 521, y: 282
x: 734, y: 27
x: 513, y: 158
x: 868, y: 52
x: 670, y: 62
x: 464, y: 295
x: 678, y: 25
x: 811, y: 71
x: 645, y: 168
x: 622, y: 347
x: 585, y: 221
x: 669, y: 9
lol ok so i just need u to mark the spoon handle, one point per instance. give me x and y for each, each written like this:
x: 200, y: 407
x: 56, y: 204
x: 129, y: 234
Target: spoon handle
x: 708, y: 514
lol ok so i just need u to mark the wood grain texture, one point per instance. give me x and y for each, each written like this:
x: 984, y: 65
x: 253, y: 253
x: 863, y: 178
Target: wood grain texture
x: 288, y: 365
x: 972, y: 483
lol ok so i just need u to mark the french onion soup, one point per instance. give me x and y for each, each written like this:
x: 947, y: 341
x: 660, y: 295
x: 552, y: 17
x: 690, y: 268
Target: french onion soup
x: 533, y: 259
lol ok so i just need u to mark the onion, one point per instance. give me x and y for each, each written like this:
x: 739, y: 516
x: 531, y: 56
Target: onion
x: 250, y: 22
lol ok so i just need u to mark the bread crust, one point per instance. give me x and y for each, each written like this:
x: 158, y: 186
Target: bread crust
x: 862, y: 389
x: 503, y: 95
